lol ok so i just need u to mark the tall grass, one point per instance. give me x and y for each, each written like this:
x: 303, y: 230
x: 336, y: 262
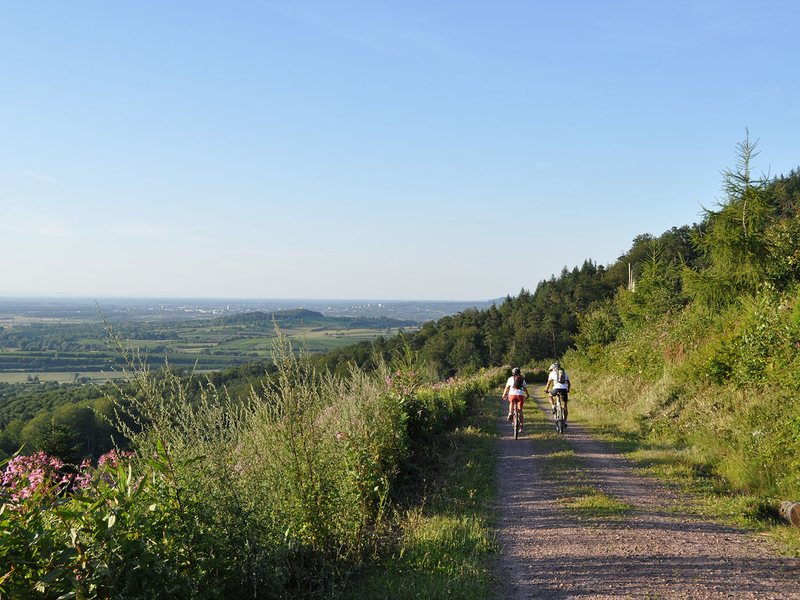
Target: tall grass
x: 278, y: 497
x: 444, y: 521
x: 711, y: 399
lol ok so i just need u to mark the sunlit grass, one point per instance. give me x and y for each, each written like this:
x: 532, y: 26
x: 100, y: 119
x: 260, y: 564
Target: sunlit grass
x: 591, y: 503
x: 569, y: 474
x: 692, y: 469
x: 447, y: 537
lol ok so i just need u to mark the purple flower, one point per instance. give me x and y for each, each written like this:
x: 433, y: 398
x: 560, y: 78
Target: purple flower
x: 81, y: 481
x: 26, y: 475
x: 112, y: 459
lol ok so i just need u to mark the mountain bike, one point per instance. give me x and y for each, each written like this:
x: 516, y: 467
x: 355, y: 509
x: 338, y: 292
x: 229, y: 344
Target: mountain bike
x: 561, y: 424
x: 516, y: 420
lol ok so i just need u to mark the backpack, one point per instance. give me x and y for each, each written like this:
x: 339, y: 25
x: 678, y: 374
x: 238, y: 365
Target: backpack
x: 561, y: 376
x: 518, y: 382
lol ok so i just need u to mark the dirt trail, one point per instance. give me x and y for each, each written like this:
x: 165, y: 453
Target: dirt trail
x: 654, y: 551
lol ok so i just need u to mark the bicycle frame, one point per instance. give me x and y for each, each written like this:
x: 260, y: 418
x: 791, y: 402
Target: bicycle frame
x: 559, y: 413
x: 515, y: 421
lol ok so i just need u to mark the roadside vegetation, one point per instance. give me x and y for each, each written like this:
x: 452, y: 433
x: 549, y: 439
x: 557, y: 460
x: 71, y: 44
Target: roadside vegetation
x: 693, y: 370
x: 444, y: 520
x: 295, y: 494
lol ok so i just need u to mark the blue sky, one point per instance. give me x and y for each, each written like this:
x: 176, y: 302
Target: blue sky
x: 373, y: 150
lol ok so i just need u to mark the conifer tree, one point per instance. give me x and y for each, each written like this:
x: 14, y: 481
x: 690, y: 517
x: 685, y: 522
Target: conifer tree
x: 733, y: 238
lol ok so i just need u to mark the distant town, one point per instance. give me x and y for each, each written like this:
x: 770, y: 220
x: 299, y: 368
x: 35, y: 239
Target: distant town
x: 21, y: 310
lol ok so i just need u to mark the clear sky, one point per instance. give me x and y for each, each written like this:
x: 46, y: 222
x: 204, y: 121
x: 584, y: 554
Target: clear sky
x: 452, y: 150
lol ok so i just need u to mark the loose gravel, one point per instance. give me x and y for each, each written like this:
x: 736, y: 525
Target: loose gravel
x: 656, y: 549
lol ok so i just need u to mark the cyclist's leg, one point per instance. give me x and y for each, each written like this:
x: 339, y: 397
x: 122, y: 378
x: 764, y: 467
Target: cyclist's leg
x: 564, y: 400
x: 519, y: 404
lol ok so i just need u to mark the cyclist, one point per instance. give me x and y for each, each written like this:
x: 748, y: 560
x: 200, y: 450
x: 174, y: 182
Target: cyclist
x: 516, y: 393
x: 559, y: 380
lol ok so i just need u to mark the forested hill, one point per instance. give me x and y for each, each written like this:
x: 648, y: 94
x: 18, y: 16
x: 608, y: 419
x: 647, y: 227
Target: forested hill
x: 532, y: 326
x: 310, y: 318
x: 589, y: 305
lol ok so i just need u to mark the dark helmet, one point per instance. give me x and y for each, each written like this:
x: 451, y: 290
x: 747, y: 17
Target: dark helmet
x: 515, y: 371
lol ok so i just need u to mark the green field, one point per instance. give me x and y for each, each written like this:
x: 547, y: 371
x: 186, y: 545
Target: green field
x: 58, y: 351
x: 58, y: 377
x: 25, y: 377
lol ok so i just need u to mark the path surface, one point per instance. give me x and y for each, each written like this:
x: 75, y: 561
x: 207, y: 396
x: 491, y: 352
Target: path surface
x: 548, y: 552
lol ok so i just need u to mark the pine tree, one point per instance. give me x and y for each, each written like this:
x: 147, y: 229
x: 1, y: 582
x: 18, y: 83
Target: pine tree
x: 733, y: 238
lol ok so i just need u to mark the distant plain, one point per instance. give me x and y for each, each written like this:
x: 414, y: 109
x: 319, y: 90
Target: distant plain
x: 70, y: 340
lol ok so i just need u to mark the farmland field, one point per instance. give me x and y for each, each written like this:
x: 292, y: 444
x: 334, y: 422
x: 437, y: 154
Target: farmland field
x: 96, y: 377
x: 68, y: 349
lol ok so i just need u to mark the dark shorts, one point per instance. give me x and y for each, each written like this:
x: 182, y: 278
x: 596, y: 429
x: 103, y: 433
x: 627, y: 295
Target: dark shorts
x: 563, y: 393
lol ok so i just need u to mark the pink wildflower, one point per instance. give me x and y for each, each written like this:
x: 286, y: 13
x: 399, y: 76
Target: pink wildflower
x: 112, y: 459
x: 26, y: 475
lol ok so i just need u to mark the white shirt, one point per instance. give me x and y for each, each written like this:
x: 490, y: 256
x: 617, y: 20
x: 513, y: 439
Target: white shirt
x: 512, y: 391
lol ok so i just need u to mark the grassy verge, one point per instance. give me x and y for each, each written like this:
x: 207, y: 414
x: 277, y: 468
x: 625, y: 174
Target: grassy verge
x: 568, y: 472
x: 442, y: 537
x: 686, y: 470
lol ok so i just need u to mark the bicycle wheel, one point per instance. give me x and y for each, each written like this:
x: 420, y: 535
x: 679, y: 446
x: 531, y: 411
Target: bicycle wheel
x: 559, y: 416
x: 516, y: 424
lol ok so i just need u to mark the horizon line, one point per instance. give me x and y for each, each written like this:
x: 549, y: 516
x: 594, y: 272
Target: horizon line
x: 30, y: 296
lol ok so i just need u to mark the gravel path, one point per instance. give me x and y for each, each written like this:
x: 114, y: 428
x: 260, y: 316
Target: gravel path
x: 548, y: 551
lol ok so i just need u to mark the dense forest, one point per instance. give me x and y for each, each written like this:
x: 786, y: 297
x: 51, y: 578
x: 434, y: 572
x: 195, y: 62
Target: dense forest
x: 530, y: 327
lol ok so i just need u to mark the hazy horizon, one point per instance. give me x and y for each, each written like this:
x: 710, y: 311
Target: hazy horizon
x: 55, y: 296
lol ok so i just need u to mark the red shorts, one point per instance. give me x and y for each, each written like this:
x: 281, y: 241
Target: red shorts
x: 520, y: 399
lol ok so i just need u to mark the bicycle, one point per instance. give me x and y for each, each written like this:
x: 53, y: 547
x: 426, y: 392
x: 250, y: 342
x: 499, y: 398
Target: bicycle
x: 516, y: 420
x: 561, y: 423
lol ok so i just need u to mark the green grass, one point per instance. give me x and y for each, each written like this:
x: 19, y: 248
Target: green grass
x: 446, y: 530
x: 565, y: 470
x: 95, y: 377
x: 68, y: 377
x: 682, y: 467
x: 590, y: 503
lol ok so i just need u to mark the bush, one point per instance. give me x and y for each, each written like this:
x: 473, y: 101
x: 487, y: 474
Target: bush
x: 266, y: 500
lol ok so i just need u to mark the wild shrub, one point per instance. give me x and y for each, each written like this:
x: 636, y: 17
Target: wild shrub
x: 598, y: 327
x: 266, y: 499
x: 96, y: 533
x: 722, y: 383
